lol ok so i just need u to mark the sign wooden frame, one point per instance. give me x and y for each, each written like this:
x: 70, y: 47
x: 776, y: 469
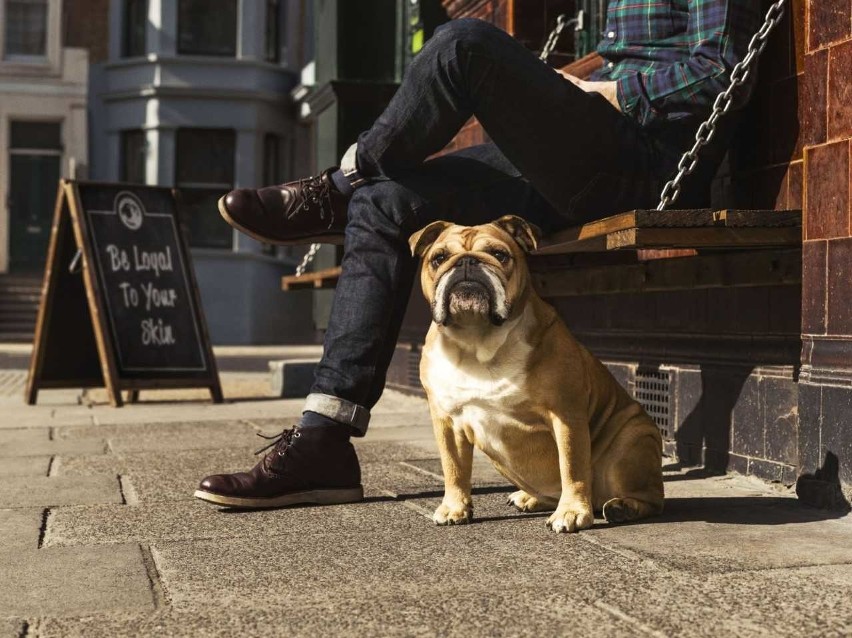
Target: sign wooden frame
x: 67, y: 356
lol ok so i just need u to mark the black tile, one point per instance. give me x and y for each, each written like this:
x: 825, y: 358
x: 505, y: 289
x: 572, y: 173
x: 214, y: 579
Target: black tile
x: 837, y: 427
x: 765, y: 470
x: 622, y: 373
x: 810, y: 400
x: 687, y: 389
x: 737, y: 463
x: 748, y: 422
x: 780, y: 400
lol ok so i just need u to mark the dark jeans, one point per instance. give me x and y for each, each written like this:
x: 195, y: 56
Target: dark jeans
x: 559, y: 157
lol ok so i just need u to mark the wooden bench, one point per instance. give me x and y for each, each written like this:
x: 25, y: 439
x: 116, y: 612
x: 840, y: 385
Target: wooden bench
x: 699, y: 229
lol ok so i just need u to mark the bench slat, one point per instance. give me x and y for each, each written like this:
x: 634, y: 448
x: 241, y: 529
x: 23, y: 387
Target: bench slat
x: 318, y: 280
x: 645, y: 229
x: 664, y: 238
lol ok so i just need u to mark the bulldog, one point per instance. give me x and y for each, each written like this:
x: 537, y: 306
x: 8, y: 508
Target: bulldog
x: 503, y: 373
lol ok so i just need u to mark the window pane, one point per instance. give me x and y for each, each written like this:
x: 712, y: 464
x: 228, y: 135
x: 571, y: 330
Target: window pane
x: 135, y: 25
x: 273, y: 30
x: 272, y: 160
x: 44, y: 135
x: 26, y: 27
x: 204, y: 227
x: 133, y: 153
x: 204, y: 30
x: 204, y: 171
x: 205, y: 156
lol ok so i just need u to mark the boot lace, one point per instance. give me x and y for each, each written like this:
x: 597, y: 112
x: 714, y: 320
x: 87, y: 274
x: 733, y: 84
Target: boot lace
x: 314, y: 191
x: 279, y: 442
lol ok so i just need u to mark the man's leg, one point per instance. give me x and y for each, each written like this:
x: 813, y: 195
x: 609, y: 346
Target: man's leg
x: 559, y: 137
x: 473, y: 186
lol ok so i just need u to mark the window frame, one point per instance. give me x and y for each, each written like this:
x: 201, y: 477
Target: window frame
x: 126, y: 30
x: 25, y: 58
x: 204, y: 189
x: 124, y: 136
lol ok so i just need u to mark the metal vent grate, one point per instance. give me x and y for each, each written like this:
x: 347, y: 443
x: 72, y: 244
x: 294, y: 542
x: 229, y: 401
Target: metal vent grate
x: 652, y: 392
x: 414, y: 356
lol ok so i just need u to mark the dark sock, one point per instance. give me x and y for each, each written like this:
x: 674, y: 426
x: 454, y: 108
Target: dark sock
x: 317, y: 420
x: 342, y: 183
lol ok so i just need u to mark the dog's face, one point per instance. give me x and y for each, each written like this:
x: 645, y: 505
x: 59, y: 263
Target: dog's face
x: 474, y: 274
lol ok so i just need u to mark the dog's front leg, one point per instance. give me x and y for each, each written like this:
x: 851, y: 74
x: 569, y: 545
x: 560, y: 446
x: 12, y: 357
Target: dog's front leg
x: 457, y: 464
x: 573, y: 442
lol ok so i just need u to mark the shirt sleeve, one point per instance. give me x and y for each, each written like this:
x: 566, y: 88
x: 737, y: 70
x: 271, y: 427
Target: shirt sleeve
x: 718, y: 33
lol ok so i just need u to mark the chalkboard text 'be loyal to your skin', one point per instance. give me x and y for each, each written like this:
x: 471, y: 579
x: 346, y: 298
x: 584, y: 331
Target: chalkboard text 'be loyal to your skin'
x: 154, y: 332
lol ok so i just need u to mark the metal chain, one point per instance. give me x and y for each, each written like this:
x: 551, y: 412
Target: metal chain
x: 722, y: 104
x: 307, y: 259
x: 561, y: 22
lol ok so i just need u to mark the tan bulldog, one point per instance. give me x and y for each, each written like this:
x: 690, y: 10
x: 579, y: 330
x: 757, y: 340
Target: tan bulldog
x: 503, y: 373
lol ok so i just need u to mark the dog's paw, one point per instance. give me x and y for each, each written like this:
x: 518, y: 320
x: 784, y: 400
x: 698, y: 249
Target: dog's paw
x: 570, y: 519
x: 526, y: 502
x: 460, y: 514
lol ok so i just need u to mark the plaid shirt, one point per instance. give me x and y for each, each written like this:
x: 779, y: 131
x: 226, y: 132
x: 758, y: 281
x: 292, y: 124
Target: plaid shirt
x: 670, y: 58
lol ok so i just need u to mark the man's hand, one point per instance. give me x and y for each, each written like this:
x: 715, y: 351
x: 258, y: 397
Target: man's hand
x: 607, y: 89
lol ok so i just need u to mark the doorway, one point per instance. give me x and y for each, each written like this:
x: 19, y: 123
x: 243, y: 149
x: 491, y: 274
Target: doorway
x: 35, y: 154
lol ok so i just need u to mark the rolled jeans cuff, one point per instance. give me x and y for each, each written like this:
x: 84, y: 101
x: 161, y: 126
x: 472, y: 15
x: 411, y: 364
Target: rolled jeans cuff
x: 340, y: 410
x: 349, y: 166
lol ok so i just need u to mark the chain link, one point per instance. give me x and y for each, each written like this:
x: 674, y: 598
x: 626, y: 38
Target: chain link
x: 561, y: 22
x: 721, y: 105
x: 307, y: 259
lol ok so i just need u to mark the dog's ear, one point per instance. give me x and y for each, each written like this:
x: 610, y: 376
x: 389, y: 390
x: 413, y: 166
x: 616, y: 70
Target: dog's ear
x: 526, y: 234
x: 425, y: 237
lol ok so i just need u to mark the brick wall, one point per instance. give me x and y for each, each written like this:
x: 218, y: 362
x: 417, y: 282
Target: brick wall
x: 85, y: 24
x: 765, y: 162
x: 826, y: 112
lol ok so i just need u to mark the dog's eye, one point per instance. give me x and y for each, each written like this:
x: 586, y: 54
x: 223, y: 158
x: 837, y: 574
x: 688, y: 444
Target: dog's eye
x: 500, y: 256
x: 439, y: 259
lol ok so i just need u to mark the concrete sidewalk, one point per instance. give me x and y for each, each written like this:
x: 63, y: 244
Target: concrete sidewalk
x: 101, y: 537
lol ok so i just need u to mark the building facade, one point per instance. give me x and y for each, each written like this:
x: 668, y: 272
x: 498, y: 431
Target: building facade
x: 196, y: 96
x: 43, y: 126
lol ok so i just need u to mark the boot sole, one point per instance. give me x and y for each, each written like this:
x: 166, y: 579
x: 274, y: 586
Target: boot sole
x: 310, y: 497
x: 329, y: 238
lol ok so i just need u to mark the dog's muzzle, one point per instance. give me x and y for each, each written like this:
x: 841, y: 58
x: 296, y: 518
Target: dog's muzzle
x: 470, y: 288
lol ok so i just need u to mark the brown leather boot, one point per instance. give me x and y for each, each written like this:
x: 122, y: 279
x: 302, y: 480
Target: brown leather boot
x: 305, y: 465
x: 307, y: 210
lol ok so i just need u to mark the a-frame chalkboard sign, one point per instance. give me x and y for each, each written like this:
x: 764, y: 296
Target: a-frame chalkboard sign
x: 119, y: 305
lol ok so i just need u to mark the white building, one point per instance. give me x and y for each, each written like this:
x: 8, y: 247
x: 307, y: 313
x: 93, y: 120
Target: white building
x: 196, y: 95
x: 42, y: 126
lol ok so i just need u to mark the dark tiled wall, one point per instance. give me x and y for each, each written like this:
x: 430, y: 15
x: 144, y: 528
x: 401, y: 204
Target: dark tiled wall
x: 731, y: 418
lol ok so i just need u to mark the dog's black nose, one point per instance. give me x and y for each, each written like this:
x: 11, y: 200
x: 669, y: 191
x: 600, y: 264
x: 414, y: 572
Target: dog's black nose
x: 467, y: 262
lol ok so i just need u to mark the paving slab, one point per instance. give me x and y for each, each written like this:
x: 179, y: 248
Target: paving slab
x: 167, y: 436
x: 54, y: 491
x: 265, y: 571
x: 78, y: 581
x: 20, y: 528
x: 180, y: 521
x: 516, y: 557
x: 767, y: 533
x: 370, y: 451
x: 82, y: 446
x: 11, y: 628
x: 429, y: 613
x: 24, y: 466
